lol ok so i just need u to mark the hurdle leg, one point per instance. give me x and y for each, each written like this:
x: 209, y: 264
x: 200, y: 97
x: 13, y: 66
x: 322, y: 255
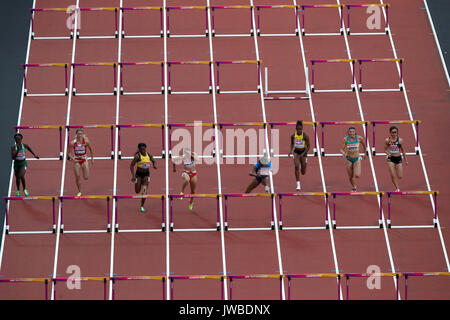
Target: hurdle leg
x: 116, y: 227
x: 281, y: 218
x: 53, y: 215
x: 389, y: 210
x: 163, y: 218
x: 226, y: 213
x: 108, y: 226
x: 334, y: 211
x: 6, y: 217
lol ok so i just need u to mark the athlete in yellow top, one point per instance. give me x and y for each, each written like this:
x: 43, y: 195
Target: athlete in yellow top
x: 300, y: 147
x: 141, y: 178
x: 350, y: 150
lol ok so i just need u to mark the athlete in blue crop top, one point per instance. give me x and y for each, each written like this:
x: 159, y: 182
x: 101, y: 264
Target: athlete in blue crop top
x: 350, y: 150
x: 260, y: 171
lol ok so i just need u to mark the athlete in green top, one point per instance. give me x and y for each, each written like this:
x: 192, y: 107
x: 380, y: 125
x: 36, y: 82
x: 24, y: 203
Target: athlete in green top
x: 18, y: 154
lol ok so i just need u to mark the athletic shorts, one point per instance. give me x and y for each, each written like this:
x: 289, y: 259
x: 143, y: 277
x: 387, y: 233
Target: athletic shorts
x: 19, y: 164
x: 190, y: 174
x: 143, y: 174
x: 352, y: 160
x: 395, y: 159
x: 261, y: 178
x: 299, y: 151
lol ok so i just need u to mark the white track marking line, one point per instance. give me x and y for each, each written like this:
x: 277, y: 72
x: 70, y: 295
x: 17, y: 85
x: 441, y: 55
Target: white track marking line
x: 217, y: 147
x: 69, y: 103
x: 444, y: 65
x: 267, y: 146
x: 116, y: 156
x: 420, y: 149
x: 18, y: 123
x: 319, y: 156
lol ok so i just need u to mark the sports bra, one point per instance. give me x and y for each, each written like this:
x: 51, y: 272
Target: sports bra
x: 144, y: 161
x: 79, y: 148
x: 353, y: 145
x: 394, y: 146
x: 299, y: 141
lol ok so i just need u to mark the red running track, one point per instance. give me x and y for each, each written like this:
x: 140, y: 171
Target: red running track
x: 190, y: 249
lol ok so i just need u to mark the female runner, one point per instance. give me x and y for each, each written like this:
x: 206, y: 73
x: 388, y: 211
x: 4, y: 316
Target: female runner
x: 189, y: 174
x: 260, y: 171
x: 18, y: 154
x: 393, y: 147
x: 299, y: 146
x: 78, y: 153
x: 350, y: 150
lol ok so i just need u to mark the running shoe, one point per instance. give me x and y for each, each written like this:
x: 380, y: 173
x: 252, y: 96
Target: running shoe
x: 142, y: 209
x: 79, y: 194
x: 298, y: 186
x: 25, y: 192
x: 267, y: 189
x: 397, y: 190
x: 354, y: 189
x: 181, y: 194
x: 191, y: 205
x: 18, y: 193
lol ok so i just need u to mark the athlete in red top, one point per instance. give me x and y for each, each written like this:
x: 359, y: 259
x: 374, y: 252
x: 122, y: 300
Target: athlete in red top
x: 189, y: 174
x: 78, y: 153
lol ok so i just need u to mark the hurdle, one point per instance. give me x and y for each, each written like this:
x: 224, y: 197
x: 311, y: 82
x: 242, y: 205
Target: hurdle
x: 197, y: 277
x: 257, y: 277
x: 214, y: 8
x: 316, y: 61
x: 379, y: 194
x: 94, y: 64
x: 323, y: 123
x: 407, y: 275
x: 303, y: 194
x: 268, y: 92
x: 194, y: 196
x: 241, y: 152
x: 87, y: 197
x: 391, y: 122
x: 228, y: 62
x: 294, y: 123
x: 249, y: 195
x: 187, y: 125
x: 68, y: 10
x: 337, y: 276
x: 145, y: 63
x: 258, y: 14
x: 348, y: 276
x: 368, y: 6
x: 140, y: 196
x: 400, y: 85
x: 71, y: 280
x: 44, y: 65
x: 433, y: 193
x: 169, y: 65
x: 125, y: 9
x: 39, y: 127
x: 116, y: 31
x: 95, y: 126
x: 341, y: 19
x: 31, y: 198
x: 169, y: 8
x: 45, y: 281
x: 115, y: 279
x: 144, y: 125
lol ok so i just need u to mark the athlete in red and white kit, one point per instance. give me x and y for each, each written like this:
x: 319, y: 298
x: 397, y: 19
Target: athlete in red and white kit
x: 78, y: 153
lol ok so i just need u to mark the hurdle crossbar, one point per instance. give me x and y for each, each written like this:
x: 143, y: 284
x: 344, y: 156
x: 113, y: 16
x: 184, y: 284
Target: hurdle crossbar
x: 30, y: 198
x: 18, y: 128
x: 144, y: 125
x: 302, y: 8
x: 302, y: 194
x: 323, y: 123
x: 169, y: 86
x: 169, y: 8
x: 372, y: 275
x: 391, y: 122
x: 268, y: 92
x: 148, y: 63
x: 337, y: 276
x: 197, y: 277
x: 86, y: 197
x: 125, y: 9
x: 194, y: 196
x: 311, y: 123
x: 138, y: 278
x: 95, y: 126
x: 97, y: 9
x: 249, y: 195
x: 400, y: 61
x: 94, y: 64
x: 316, y: 61
x: 407, y: 275
x: 43, y: 65
x: 227, y: 62
x: 68, y: 10
x: 257, y: 277
x: 140, y: 196
x: 258, y: 14
x: 368, y: 6
x: 213, y: 31
x: 433, y: 193
x: 359, y: 193
x: 45, y: 281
